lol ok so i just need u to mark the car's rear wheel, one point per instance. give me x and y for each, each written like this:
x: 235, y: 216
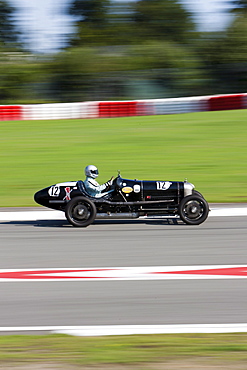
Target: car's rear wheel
x: 80, y: 212
x: 193, y: 210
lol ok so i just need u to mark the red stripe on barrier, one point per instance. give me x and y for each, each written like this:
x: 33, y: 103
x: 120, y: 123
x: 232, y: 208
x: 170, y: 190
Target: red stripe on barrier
x: 226, y: 102
x: 10, y: 112
x: 117, y: 109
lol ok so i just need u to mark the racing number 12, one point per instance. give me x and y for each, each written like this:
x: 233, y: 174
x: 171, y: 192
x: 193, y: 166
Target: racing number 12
x: 163, y: 185
x: 55, y: 191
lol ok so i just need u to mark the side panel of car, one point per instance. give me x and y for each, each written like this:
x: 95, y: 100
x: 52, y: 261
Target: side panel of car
x: 158, y: 190
x: 129, y: 190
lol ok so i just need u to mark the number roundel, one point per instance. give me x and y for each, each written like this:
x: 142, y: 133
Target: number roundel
x: 54, y: 191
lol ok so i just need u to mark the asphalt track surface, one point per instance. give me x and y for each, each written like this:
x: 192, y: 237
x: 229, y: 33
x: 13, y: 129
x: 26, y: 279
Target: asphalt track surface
x: 56, y: 244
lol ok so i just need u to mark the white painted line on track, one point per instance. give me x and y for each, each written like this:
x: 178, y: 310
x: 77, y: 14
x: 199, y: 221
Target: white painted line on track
x: 103, y: 330
x: 31, y: 216
x: 125, y: 273
x: 58, y: 215
x: 222, y: 212
x: 154, y: 329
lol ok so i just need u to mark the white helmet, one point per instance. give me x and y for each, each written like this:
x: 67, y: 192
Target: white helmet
x: 91, y: 171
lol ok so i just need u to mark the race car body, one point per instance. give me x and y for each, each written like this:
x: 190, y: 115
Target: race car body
x: 126, y: 199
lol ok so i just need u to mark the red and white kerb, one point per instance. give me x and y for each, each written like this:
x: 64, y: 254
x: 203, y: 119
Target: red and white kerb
x: 126, y: 273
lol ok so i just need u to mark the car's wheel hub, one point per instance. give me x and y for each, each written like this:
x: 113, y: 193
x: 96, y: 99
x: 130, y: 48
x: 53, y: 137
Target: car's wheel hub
x: 81, y: 212
x: 193, y: 210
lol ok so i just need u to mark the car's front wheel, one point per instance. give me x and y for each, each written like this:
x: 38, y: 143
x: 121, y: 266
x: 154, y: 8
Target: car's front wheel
x: 193, y: 210
x: 80, y: 212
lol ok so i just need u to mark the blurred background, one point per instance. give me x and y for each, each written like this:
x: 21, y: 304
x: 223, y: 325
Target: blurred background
x: 81, y: 50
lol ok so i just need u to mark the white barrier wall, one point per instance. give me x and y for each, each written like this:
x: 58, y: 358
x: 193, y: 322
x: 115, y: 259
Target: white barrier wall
x: 176, y: 105
x: 60, y: 111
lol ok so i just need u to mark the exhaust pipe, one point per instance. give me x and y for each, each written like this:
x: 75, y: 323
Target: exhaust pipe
x: 117, y: 215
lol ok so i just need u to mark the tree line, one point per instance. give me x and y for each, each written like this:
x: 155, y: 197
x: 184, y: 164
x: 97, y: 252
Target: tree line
x: 125, y: 50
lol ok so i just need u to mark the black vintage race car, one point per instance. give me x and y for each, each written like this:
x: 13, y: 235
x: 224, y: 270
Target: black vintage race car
x: 127, y: 199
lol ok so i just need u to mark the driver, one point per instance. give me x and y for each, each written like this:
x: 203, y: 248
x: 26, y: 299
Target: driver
x: 93, y: 188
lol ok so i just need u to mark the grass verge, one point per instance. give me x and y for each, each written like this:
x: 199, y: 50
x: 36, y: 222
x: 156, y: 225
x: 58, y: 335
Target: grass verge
x: 208, y: 148
x: 126, y: 350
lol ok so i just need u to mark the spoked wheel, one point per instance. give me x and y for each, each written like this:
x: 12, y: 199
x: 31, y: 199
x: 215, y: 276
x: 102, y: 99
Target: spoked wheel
x: 80, y: 212
x: 193, y: 210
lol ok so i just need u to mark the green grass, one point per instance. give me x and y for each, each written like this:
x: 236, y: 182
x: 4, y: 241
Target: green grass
x: 209, y: 149
x: 127, y: 350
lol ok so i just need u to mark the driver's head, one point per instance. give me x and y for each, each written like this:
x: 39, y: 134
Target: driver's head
x: 91, y: 171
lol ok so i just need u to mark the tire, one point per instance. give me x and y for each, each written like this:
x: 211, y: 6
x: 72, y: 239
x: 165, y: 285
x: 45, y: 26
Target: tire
x: 80, y: 212
x: 195, y: 192
x: 193, y: 210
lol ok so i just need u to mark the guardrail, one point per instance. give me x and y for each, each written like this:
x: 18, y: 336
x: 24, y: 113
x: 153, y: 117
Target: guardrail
x: 107, y: 109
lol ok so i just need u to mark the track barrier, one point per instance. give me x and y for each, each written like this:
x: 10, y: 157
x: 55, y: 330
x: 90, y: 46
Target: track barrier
x: 110, y: 109
x: 226, y: 102
x: 10, y: 112
x: 117, y: 109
